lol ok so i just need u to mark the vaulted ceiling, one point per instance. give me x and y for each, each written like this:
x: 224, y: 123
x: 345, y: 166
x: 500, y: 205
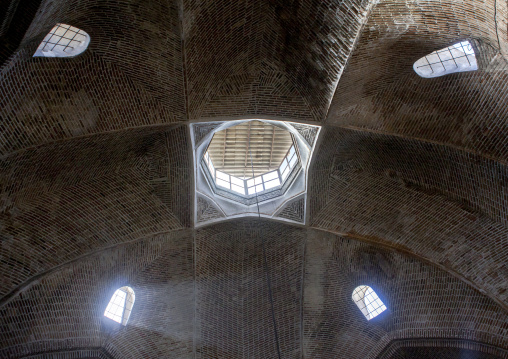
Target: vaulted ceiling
x: 407, y: 191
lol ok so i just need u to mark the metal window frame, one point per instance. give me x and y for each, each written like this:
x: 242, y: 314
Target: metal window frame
x: 60, y: 37
x: 453, y: 57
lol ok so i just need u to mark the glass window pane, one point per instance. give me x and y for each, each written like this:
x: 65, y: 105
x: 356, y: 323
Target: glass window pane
x: 258, y: 180
x: 116, y: 305
x: 221, y: 175
x: 291, y: 151
x: 289, y: 159
x: 238, y: 189
x: 368, y: 301
x: 283, y: 165
x: 270, y: 176
x: 251, y: 190
x: 293, y: 160
x: 259, y: 188
x: 250, y: 182
x: 285, y: 173
x: 272, y: 183
x: 456, y: 58
x: 222, y: 183
x: 63, y: 41
x: 237, y: 181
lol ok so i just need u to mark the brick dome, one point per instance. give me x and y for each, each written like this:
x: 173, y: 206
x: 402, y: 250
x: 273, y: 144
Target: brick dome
x: 406, y: 191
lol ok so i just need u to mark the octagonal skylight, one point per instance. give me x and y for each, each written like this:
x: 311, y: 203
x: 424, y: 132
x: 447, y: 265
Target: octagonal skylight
x: 251, y: 167
x: 251, y: 158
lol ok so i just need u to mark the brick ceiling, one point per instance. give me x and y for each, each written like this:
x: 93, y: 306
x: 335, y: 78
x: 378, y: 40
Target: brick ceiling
x: 407, y: 192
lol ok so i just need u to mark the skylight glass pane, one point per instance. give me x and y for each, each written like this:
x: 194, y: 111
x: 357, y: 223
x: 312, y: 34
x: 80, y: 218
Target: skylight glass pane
x: 270, y: 176
x: 237, y: 181
x: 238, y: 189
x: 211, y: 168
x: 285, y: 173
x: 222, y: 183
x: 255, y: 189
x: 292, y: 161
x: 459, y: 57
x: 222, y: 176
x: 254, y: 181
x: 272, y: 183
x: 283, y: 165
x: 291, y: 151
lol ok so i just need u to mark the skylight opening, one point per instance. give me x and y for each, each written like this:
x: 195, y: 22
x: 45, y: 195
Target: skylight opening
x: 253, y: 185
x: 459, y: 57
x: 251, y: 167
x: 63, y: 41
x: 368, y: 301
x: 120, y: 306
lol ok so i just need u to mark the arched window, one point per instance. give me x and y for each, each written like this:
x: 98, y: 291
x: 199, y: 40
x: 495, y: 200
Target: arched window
x: 120, y: 306
x: 368, y: 301
x: 459, y: 57
x: 63, y: 41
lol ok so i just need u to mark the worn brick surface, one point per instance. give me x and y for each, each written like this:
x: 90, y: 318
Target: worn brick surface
x: 131, y: 74
x: 204, y: 294
x: 439, y: 348
x: 270, y: 76
x: 380, y: 91
x: 447, y: 205
x: 65, y: 309
x: 418, y: 297
x: 121, y: 184
x: 407, y: 192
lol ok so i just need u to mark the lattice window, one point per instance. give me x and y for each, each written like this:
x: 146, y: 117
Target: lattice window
x: 63, y: 41
x: 368, y: 301
x: 459, y: 57
x: 120, y: 306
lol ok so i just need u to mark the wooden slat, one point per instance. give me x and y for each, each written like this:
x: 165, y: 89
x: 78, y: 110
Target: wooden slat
x: 229, y: 149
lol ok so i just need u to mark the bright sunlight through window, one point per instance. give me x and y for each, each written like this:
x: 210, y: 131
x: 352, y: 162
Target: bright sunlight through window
x: 368, y: 301
x: 459, y: 57
x: 63, y: 41
x: 120, y: 306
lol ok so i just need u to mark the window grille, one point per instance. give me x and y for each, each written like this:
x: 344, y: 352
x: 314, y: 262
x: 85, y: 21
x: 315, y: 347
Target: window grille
x: 63, y: 41
x: 368, y: 301
x: 120, y: 306
x: 459, y: 57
